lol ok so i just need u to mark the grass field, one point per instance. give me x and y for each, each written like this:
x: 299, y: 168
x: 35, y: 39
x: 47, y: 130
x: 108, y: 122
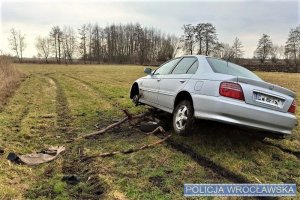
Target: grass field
x: 57, y: 103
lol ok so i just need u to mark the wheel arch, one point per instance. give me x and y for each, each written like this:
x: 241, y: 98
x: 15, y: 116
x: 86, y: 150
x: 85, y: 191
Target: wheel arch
x: 182, y: 95
x: 134, y: 90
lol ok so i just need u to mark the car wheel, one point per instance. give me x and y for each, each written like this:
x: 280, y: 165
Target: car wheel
x: 135, y: 99
x: 183, y: 118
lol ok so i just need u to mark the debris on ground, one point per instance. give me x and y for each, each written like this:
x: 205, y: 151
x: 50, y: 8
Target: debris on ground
x: 1, y: 151
x: 71, y: 179
x: 157, y: 181
x: 148, y: 126
x: 158, y: 129
x: 151, y: 127
x: 129, y: 117
x: 12, y: 157
x: 128, y: 151
x: 44, y: 156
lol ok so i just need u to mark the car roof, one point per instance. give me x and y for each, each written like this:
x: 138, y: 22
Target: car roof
x: 197, y: 56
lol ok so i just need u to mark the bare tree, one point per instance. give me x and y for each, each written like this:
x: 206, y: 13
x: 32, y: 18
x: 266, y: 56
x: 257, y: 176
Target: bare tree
x: 199, y: 35
x: 68, y: 44
x: 277, y: 52
x: 237, y: 48
x: 203, y: 34
x: 43, y: 47
x: 189, y: 38
x: 210, y: 38
x: 292, y: 47
x: 17, y: 43
x: 219, y: 50
x: 264, y: 48
x: 56, y: 40
x: 224, y: 51
x: 83, y: 33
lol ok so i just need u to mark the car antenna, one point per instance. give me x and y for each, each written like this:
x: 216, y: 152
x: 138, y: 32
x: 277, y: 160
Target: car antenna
x: 227, y: 61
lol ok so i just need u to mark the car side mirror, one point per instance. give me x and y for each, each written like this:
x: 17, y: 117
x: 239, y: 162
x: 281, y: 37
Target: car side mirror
x: 148, y: 70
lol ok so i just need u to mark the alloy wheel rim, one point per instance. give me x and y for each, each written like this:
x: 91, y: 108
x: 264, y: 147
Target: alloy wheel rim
x: 181, y: 117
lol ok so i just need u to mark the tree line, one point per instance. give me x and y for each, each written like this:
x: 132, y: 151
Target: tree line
x: 202, y: 39
x: 132, y: 43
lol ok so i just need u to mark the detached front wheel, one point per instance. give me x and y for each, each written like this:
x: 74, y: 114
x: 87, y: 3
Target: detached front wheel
x: 183, y: 118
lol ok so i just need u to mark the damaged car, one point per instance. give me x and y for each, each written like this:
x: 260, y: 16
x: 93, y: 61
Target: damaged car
x: 203, y: 87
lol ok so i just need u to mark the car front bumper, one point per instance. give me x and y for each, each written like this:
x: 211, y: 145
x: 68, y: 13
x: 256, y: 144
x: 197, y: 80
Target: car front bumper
x: 239, y: 113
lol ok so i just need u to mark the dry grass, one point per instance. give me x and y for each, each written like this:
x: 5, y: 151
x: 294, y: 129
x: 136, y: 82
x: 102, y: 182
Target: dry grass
x: 78, y: 97
x: 10, y: 78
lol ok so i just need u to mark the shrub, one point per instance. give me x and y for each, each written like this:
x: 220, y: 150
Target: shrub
x: 10, y: 78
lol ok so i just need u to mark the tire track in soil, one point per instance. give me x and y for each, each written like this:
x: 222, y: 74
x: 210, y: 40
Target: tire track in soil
x: 277, y: 146
x: 72, y: 164
x: 212, y: 166
x: 16, y: 123
x: 283, y: 149
x: 98, y: 92
x: 204, y: 161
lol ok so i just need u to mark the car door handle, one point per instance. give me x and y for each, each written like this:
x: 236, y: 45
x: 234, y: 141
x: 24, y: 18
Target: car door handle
x: 158, y: 80
x: 182, y: 81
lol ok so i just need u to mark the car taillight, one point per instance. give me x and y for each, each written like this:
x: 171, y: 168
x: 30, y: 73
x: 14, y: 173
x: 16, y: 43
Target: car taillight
x: 292, y: 108
x: 231, y: 90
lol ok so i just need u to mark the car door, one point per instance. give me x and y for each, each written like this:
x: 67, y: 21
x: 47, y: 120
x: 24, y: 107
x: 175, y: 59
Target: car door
x: 172, y: 83
x: 150, y: 84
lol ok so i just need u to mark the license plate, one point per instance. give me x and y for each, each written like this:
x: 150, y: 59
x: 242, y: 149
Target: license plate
x: 267, y: 99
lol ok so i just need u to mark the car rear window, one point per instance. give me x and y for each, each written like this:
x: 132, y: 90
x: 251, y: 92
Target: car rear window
x: 224, y: 67
x: 193, y: 68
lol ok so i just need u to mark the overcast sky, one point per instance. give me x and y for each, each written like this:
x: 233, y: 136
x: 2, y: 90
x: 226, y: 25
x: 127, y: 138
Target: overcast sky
x: 247, y: 20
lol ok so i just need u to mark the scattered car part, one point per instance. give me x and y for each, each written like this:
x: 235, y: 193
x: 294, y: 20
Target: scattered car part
x: 12, y: 157
x: 37, y: 158
x: 71, y: 179
x: 148, y: 126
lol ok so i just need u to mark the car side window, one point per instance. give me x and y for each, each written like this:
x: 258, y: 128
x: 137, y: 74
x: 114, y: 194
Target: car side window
x: 167, y: 67
x: 193, y: 68
x: 184, y: 65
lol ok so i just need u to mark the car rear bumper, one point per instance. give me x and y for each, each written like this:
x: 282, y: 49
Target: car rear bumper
x: 238, y: 112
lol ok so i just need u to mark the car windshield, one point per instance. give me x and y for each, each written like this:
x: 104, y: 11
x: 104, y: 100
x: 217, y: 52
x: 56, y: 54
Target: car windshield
x: 224, y: 67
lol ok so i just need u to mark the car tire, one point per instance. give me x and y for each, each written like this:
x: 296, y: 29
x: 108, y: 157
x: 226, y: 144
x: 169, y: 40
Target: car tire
x: 135, y: 99
x: 183, y: 118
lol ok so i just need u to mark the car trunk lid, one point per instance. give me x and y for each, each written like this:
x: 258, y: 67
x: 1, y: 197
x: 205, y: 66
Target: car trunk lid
x: 266, y: 95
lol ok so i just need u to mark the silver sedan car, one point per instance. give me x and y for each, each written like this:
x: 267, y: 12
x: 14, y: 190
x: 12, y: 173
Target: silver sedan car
x: 203, y: 87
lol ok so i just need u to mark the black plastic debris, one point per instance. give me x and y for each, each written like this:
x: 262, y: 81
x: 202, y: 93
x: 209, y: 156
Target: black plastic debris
x: 14, y: 158
x: 148, y: 126
x: 157, y: 181
x: 1, y: 151
x: 71, y: 179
